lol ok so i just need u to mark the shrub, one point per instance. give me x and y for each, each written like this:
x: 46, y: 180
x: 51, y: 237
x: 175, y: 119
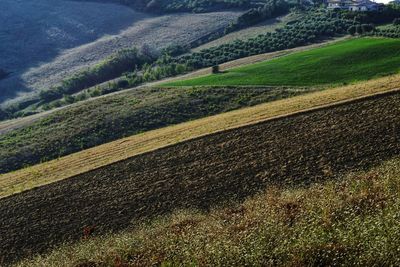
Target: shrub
x: 123, y: 83
x: 215, y: 69
x: 352, y: 30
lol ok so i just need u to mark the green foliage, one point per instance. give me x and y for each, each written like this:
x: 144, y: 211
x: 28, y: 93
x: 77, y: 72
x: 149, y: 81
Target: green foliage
x: 317, y: 24
x: 175, y: 50
x: 112, y: 67
x: 390, y: 31
x: 352, y: 30
x: 361, y: 29
x: 269, y: 9
x: 343, y: 62
x: 386, y: 15
x: 147, y: 67
x: 215, y: 69
x: 4, y: 114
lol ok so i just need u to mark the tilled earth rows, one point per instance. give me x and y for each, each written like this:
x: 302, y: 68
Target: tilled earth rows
x: 202, y: 173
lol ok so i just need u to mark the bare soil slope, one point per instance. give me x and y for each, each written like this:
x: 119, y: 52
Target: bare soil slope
x: 201, y: 173
x: 44, y: 41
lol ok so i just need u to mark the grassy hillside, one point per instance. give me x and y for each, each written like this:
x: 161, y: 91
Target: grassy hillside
x: 106, y: 119
x: 352, y: 221
x: 138, y: 110
x: 90, y: 159
x: 345, y: 62
x: 202, y: 173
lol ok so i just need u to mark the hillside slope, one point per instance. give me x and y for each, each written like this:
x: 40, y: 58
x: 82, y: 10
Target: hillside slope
x: 45, y: 41
x: 10, y: 125
x: 108, y: 119
x: 343, y: 62
x: 90, y: 159
x: 350, y: 221
x: 269, y: 25
x: 231, y: 165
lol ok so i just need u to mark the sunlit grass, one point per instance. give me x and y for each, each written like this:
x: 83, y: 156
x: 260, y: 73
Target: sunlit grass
x: 102, y: 155
x: 343, y: 62
x: 350, y: 221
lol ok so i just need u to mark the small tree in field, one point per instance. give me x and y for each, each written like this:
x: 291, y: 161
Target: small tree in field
x: 215, y: 69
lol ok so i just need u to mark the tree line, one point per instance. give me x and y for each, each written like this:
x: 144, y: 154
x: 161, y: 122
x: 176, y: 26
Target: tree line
x: 136, y: 66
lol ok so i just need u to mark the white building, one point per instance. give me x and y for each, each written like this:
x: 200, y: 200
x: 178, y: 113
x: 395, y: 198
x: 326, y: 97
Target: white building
x: 354, y: 5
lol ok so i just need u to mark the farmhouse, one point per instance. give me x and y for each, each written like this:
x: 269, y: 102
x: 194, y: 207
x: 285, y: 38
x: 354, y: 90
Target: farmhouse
x: 353, y: 5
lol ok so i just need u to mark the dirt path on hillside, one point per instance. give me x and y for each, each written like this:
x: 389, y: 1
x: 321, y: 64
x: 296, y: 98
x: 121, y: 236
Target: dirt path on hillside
x: 7, y: 126
x: 227, y: 166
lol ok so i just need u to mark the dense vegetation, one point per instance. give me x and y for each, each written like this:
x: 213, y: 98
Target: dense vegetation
x: 148, y: 68
x: 107, y: 119
x: 133, y: 59
x: 317, y: 24
x: 343, y: 62
x: 390, y: 31
x: 112, y: 67
x: 269, y: 9
x: 162, y: 68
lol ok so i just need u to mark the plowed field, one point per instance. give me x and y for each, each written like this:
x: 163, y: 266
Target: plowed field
x: 226, y: 166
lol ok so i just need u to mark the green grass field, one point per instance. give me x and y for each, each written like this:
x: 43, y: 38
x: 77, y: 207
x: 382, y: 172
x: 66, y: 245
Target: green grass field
x: 344, y: 62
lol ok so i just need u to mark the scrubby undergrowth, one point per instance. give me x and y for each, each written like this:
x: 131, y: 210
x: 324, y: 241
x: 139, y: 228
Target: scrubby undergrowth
x: 351, y: 221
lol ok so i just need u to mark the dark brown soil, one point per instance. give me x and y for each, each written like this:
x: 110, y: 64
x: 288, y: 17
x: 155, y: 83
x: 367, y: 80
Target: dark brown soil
x: 201, y: 173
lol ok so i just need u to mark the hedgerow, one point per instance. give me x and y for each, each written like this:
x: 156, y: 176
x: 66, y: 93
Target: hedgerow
x: 317, y: 24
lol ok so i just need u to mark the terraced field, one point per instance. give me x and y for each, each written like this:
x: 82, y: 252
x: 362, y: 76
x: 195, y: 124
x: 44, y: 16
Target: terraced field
x: 232, y: 165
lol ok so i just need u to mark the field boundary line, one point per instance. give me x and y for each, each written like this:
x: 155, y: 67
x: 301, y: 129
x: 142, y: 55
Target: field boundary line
x: 191, y: 139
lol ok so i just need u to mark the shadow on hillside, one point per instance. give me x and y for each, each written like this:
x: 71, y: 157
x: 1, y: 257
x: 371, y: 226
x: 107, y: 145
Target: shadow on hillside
x: 34, y: 33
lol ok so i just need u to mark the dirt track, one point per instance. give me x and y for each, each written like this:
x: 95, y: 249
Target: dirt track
x: 203, y: 172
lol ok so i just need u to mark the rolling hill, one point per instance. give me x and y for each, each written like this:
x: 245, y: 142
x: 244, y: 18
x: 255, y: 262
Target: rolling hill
x: 345, y: 62
x: 45, y: 41
x: 306, y: 147
x: 49, y: 135
x: 350, y: 221
x: 102, y: 155
x: 289, y: 158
